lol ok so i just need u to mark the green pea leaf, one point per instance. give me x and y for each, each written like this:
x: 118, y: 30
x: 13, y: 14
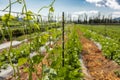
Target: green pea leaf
x: 22, y: 61
x: 36, y: 26
x: 37, y: 59
x: 51, y: 9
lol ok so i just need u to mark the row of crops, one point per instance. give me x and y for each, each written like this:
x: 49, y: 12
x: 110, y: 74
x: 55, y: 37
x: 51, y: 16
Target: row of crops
x: 42, y: 56
x: 110, y: 44
x: 109, y: 31
x: 23, y: 49
x: 72, y: 68
x: 18, y: 32
x: 19, y: 55
x: 32, y: 53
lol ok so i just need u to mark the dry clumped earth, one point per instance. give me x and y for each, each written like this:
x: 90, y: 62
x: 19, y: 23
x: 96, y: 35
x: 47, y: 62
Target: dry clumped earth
x: 97, y: 65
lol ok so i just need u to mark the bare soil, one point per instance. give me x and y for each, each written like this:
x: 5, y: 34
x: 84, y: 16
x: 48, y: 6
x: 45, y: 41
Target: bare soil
x: 97, y: 65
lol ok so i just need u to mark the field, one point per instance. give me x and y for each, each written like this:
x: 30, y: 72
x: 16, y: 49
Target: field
x: 101, y: 52
x: 84, y: 47
x: 77, y: 46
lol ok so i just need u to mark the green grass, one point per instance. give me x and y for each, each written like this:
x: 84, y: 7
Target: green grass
x: 111, y: 31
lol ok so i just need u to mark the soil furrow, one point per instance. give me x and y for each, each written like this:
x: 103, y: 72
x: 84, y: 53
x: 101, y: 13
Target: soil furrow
x: 98, y: 66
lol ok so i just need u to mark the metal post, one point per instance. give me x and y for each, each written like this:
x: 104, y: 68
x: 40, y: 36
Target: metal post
x: 63, y: 39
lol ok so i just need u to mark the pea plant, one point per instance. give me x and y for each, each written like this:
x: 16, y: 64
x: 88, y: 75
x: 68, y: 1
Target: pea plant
x: 31, y: 53
x: 29, y: 16
x: 72, y: 67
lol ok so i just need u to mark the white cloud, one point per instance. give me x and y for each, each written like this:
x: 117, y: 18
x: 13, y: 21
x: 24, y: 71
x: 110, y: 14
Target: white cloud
x: 86, y: 12
x: 116, y: 14
x: 114, y: 4
x: 95, y: 13
x: 82, y: 13
x: 93, y: 1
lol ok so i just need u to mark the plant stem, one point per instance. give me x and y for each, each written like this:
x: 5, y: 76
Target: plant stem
x: 10, y: 34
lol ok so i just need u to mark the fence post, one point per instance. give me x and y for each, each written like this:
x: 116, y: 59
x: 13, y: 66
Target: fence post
x: 63, y: 39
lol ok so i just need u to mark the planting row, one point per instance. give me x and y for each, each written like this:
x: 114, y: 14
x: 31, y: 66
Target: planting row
x: 24, y: 50
x: 55, y: 70
x: 71, y: 70
x: 19, y: 31
x: 110, y: 48
x: 110, y: 31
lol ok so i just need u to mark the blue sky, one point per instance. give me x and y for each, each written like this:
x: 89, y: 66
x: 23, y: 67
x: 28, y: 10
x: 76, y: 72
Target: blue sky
x: 71, y: 6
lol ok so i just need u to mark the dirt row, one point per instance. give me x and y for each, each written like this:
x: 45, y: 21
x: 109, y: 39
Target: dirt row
x: 97, y: 65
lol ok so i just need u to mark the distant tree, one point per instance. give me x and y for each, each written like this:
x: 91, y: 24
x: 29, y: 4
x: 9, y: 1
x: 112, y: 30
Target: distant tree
x: 103, y: 19
x: 110, y: 18
x: 79, y: 20
x: 90, y: 20
x: 70, y: 18
x: 99, y: 17
x: 85, y: 18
